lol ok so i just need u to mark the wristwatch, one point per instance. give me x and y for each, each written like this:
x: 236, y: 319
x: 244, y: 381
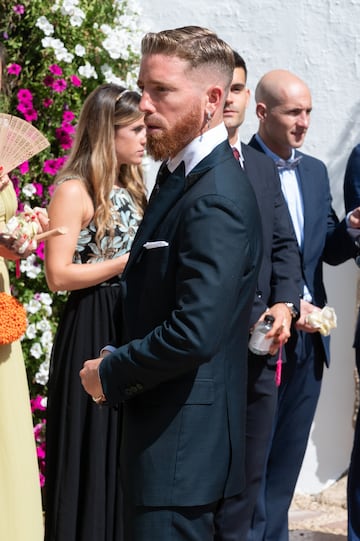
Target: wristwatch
x: 294, y: 313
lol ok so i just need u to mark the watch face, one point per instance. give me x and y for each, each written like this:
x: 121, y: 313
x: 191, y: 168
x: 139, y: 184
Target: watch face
x: 292, y: 309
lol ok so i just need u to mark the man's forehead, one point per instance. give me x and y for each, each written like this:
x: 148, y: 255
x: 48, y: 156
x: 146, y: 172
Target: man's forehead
x: 156, y: 68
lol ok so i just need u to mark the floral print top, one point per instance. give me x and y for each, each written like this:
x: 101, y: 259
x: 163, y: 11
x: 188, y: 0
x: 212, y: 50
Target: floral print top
x: 127, y: 219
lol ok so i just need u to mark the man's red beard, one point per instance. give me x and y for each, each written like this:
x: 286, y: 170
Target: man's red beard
x: 168, y: 142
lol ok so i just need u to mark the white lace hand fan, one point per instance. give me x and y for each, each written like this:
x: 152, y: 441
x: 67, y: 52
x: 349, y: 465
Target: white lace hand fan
x: 19, y: 141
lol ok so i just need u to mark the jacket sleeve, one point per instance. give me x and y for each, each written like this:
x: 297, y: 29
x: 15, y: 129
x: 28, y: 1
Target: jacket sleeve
x: 352, y: 180
x: 216, y: 254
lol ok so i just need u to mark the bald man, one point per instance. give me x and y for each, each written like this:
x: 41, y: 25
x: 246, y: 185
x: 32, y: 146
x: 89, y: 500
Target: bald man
x: 283, y: 107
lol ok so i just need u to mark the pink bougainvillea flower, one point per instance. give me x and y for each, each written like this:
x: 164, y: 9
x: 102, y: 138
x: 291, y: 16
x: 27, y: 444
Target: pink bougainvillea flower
x: 24, y: 106
x: 39, y: 188
x: 19, y: 9
x: 24, y: 95
x: 51, y: 166
x: 68, y: 116
x: 62, y: 131
x: 40, y: 251
x: 62, y: 135
x: 55, y: 69
x: 37, y: 403
x: 14, y: 69
x: 40, y: 451
x: 75, y: 80
x: 61, y: 160
x: 51, y: 189
x: 42, y: 479
x: 48, y: 81
x: 59, y: 85
x: 31, y: 115
x: 47, y: 102
x: 66, y: 143
x: 24, y: 168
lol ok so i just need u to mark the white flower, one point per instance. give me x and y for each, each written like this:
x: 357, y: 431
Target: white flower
x: 30, y: 331
x: 110, y: 77
x: 33, y: 306
x: 47, y: 310
x: 47, y: 340
x: 88, y: 71
x: 80, y: 50
x: 116, y: 43
x: 29, y: 267
x: 132, y: 79
x: 45, y: 26
x: 36, y: 350
x: 43, y: 325
x: 42, y: 375
x: 45, y: 298
x: 68, y: 6
x: 29, y: 190
x: 77, y: 18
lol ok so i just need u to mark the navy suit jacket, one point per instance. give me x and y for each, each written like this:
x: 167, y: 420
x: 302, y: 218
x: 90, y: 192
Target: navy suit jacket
x: 182, y: 372
x: 280, y: 278
x: 352, y: 200
x: 325, y: 238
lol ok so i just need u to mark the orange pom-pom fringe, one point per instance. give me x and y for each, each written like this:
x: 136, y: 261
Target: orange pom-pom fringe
x: 12, y: 319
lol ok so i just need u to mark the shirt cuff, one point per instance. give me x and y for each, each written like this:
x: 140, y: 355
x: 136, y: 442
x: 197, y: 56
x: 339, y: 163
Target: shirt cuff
x: 107, y: 349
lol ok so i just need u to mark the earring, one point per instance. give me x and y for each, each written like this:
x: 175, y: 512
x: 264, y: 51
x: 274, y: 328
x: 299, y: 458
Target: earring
x: 208, y: 119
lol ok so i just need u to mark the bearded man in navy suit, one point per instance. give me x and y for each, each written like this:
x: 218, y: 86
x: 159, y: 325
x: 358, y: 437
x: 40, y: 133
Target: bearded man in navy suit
x: 283, y: 107
x: 188, y: 289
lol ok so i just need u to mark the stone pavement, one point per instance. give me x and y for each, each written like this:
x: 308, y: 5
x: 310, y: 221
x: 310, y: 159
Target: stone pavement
x: 320, y: 517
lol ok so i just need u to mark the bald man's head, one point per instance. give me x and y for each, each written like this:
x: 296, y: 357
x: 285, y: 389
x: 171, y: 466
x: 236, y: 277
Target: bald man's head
x: 283, y: 106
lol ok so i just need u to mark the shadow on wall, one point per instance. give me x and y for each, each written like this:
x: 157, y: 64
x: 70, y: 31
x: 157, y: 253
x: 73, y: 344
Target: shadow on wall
x: 348, y: 138
x: 328, y: 452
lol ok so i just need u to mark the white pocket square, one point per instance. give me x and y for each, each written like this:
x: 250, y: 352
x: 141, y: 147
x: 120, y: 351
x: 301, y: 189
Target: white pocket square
x: 155, y: 244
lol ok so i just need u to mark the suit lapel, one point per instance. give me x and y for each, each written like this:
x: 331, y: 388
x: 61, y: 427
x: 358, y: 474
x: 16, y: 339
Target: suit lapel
x: 307, y: 192
x: 170, y: 192
x: 172, y: 189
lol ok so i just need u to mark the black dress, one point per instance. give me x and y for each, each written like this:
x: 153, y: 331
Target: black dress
x: 82, y: 492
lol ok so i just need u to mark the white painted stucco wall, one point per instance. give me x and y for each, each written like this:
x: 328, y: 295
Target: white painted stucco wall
x: 319, y: 40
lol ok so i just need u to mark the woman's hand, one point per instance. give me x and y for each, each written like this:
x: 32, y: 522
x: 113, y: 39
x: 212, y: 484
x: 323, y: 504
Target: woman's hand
x: 4, y: 180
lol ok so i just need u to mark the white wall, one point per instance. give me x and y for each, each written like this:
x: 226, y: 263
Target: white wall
x: 319, y: 40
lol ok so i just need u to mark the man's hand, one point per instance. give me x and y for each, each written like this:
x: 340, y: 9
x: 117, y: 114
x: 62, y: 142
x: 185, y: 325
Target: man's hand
x: 280, y: 331
x: 90, y: 379
x: 354, y: 218
x: 305, y: 309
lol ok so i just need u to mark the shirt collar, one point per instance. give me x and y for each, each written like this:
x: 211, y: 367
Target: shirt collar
x: 269, y: 152
x: 198, y: 149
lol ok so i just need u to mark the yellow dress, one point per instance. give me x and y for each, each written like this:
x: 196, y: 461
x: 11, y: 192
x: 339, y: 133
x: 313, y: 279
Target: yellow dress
x: 20, y: 497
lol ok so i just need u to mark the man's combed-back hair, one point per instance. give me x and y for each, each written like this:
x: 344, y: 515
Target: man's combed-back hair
x: 198, y: 46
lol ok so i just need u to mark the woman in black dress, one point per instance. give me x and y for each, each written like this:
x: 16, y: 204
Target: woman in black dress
x: 100, y: 198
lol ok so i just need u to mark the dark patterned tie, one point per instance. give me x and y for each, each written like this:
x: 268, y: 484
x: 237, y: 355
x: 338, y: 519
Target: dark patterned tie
x: 162, y: 175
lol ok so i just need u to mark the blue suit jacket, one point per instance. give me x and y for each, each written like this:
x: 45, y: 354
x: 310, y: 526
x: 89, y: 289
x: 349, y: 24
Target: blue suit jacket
x: 325, y: 238
x: 352, y: 200
x: 186, y: 308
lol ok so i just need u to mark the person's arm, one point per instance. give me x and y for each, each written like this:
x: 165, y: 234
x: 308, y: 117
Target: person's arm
x: 211, y: 280
x: 352, y: 180
x: 71, y: 207
x: 286, y: 276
